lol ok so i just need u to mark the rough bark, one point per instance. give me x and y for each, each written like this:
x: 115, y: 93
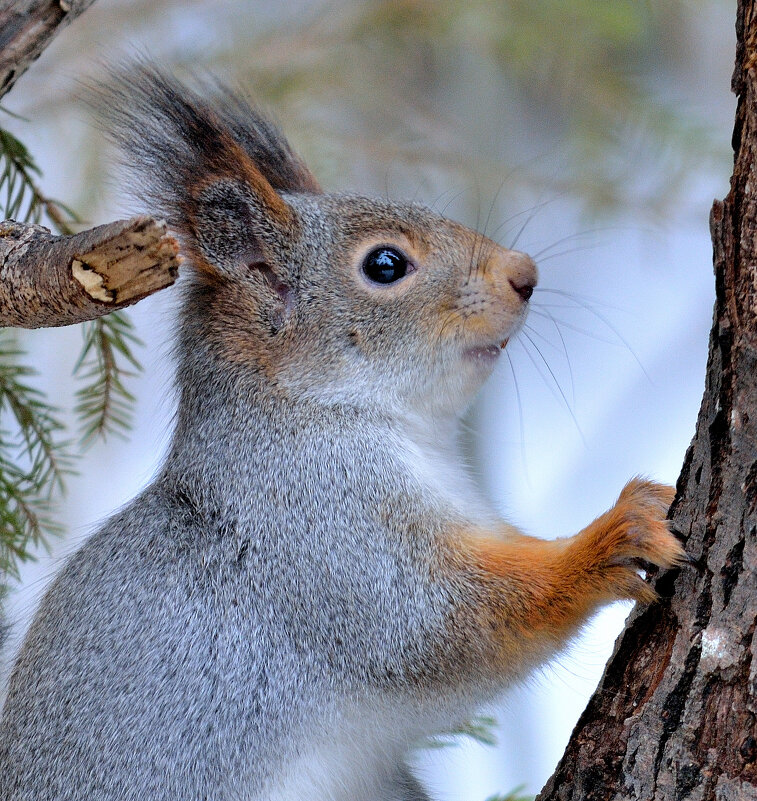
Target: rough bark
x: 26, y: 28
x: 48, y: 280
x: 675, y: 716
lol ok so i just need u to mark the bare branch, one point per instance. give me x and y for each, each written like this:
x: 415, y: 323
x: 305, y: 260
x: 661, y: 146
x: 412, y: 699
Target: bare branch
x: 48, y: 280
x: 26, y: 28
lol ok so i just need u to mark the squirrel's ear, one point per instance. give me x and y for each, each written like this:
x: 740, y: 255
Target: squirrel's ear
x: 236, y: 221
x: 214, y: 166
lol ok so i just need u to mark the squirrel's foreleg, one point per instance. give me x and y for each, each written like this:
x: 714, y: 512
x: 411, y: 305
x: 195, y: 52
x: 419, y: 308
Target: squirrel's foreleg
x: 527, y: 596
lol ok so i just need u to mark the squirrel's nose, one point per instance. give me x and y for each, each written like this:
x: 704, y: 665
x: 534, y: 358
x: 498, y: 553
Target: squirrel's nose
x: 522, y: 274
x: 525, y: 290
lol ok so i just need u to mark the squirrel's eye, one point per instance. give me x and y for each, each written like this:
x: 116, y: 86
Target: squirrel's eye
x: 385, y: 265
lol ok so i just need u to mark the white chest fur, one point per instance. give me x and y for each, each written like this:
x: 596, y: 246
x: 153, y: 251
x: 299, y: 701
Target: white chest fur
x: 433, y: 459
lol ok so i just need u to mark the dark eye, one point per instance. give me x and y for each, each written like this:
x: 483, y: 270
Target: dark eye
x: 385, y: 265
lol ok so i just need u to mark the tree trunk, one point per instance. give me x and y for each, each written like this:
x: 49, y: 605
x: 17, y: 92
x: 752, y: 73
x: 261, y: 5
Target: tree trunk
x: 675, y: 716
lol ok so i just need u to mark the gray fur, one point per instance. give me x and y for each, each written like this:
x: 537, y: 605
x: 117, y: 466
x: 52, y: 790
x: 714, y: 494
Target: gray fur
x: 221, y: 620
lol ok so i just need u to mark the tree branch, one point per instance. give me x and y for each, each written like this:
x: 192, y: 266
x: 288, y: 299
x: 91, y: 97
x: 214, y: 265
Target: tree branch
x: 26, y: 28
x: 48, y: 280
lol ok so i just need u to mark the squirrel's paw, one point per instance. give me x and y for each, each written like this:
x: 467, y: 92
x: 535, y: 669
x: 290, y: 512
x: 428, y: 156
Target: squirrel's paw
x: 632, y: 534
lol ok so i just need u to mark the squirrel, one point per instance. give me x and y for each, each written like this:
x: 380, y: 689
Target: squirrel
x: 311, y: 584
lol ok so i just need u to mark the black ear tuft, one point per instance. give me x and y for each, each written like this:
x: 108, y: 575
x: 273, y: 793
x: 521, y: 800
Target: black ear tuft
x: 264, y: 143
x: 180, y: 142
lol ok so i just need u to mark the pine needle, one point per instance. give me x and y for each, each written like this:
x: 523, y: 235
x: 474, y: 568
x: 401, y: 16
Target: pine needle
x: 479, y: 728
x: 104, y: 404
x: 34, y: 461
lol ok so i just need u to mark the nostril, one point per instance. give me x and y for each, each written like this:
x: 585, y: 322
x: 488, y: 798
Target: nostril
x: 524, y: 289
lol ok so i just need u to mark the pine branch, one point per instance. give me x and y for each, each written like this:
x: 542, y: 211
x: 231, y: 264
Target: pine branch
x: 104, y: 404
x: 49, y: 280
x: 34, y: 461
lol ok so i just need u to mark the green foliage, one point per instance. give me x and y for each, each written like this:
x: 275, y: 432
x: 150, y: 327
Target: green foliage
x: 35, y: 454
x: 104, y: 403
x: 516, y: 794
x: 22, y: 199
x: 34, y: 459
x: 480, y: 728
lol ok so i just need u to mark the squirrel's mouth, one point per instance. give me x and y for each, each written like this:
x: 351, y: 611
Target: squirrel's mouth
x: 484, y: 354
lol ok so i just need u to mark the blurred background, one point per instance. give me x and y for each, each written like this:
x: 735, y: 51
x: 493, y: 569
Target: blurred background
x: 593, y: 135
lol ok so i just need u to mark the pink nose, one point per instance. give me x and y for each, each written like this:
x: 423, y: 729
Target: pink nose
x: 522, y: 274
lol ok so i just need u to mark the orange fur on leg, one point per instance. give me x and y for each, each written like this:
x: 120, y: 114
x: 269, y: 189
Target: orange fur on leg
x: 530, y: 595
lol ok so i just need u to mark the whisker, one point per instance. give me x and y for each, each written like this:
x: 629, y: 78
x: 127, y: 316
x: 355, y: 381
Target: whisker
x: 475, y: 230
x: 483, y: 255
x: 523, y: 227
x: 438, y: 198
x: 574, y: 306
x: 417, y: 190
x: 520, y: 418
x: 451, y: 200
x: 567, y: 251
x: 533, y: 209
x: 571, y: 237
x: 472, y: 256
x: 577, y: 329
x: 612, y: 328
x: 567, y: 357
x: 545, y: 339
x: 530, y: 210
x: 557, y: 306
x: 578, y: 298
x: 495, y: 199
x: 554, y: 379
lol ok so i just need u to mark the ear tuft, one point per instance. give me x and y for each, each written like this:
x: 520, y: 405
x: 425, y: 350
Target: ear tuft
x: 209, y: 162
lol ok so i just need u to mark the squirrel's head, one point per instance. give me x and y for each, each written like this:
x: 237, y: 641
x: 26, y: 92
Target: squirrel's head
x: 333, y: 297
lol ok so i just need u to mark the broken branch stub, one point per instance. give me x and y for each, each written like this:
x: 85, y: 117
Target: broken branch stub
x: 48, y: 280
